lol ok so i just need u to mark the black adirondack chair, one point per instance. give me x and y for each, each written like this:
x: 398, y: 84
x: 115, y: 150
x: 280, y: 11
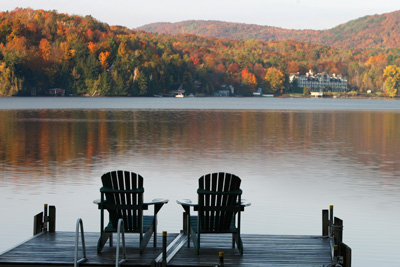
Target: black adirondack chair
x: 219, y: 207
x: 122, y: 197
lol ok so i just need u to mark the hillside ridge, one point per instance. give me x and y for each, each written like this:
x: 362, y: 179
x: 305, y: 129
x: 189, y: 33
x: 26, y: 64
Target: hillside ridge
x: 372, y: 31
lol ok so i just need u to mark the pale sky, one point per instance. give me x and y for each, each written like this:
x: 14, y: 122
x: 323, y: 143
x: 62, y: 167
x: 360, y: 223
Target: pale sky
x: 288, y: 14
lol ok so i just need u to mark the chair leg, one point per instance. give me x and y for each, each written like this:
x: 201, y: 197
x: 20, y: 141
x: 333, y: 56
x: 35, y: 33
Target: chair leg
x: 238, y: 240
x: 155, y: 231
x: 188, y: 239
x: 146, y: 238
x: 103, y: 240
x: 189, y: 230
x: 195, y: 238
x: 239, y: 244
x: 198, y: 244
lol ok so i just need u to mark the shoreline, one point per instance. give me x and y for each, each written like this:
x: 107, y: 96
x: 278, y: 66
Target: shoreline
x: 288, y: 95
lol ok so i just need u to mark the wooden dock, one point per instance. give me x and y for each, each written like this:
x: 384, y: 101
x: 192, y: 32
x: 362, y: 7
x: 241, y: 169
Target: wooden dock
x: 57, y: 249
x: 49, y: 247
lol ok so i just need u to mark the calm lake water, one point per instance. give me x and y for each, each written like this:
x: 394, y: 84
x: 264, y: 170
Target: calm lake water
x: 295, y: 157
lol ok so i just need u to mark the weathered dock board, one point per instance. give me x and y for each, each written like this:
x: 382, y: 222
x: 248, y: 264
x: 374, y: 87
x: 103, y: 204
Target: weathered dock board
x: 57, y: 249
x: 259, y: 250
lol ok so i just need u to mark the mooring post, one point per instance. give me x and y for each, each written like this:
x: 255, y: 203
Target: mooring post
x: 338, y: 231
x: 221, y: 259
x: 341, y: 252
x: 325, y: 222
x: 45, y: 218
x: 38, y: 223
x: 164, y: 257
x: 330, y: 220
x: 345, y: 252
x: 52, y: 219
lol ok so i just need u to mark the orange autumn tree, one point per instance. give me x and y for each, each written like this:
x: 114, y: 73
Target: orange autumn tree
x: 249, y: 79
x: 45, y: 49
x: 92, y: 47
x: 103, y: 58
x: 195, y: 59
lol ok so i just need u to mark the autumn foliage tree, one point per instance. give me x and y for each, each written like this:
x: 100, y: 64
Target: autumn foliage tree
x: 392, y: 82
x: 249, y: 79
x: 45, y: 49
x: 275, y: 79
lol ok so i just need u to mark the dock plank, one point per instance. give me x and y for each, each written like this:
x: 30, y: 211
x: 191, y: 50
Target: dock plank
x: 259, y: 250
x: 57, y: 249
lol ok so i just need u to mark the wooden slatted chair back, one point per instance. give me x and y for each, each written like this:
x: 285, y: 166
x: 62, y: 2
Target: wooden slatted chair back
x: 124, y: 198
x: 219, y: 195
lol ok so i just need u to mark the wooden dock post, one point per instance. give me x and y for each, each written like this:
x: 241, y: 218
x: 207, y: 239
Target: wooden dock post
x: 45, y: 220
x: 345, y: 251
x: 325, y: 222
x: 38, y: 223
x: 332, y: 227
x: 338, y: 231
x: 52, y: 219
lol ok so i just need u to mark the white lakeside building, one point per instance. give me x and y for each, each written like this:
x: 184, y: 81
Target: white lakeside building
x: 319, y: 82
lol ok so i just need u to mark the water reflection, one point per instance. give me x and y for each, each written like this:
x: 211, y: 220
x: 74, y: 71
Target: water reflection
x: 45, y: 140
x: 293, y: 164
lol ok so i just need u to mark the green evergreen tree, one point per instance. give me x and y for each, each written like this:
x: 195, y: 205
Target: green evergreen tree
x: 106, y: 84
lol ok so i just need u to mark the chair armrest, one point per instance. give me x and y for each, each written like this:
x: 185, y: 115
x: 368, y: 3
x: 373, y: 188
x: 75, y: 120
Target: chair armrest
x: 186, y: 204
x: 245, y: 203
x: 157, y: 201
x: 98, y: 202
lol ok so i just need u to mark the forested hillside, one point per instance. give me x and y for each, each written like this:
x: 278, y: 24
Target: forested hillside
x: 41, y: 49
x: 377, y: 31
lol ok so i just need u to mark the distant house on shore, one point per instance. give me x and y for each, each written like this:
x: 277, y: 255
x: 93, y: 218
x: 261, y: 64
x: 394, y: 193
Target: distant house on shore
x: 319, y: 82
x: 56, y: 92
x: 225, y: 90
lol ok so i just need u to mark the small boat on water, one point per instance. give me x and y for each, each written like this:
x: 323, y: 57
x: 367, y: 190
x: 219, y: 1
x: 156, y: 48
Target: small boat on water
x: 179, y: 95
